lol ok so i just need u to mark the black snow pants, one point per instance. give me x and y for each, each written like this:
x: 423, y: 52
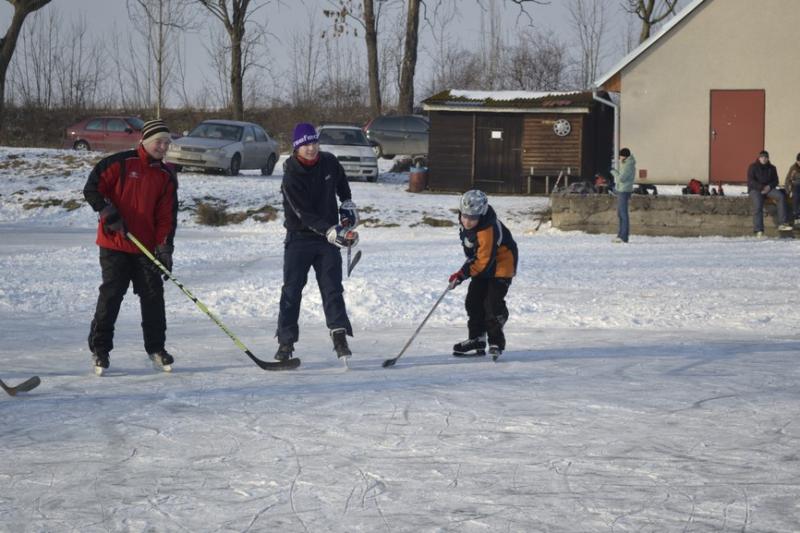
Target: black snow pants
x: 486, y: 308
x: 119, y: 270
x: 301, y: 252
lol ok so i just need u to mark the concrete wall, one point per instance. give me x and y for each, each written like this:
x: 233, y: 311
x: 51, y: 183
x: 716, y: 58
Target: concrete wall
x: 724, y: 44
x: 677, y: 216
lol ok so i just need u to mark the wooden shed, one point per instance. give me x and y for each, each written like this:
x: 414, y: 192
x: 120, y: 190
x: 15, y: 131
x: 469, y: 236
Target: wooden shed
x: 516, y: 142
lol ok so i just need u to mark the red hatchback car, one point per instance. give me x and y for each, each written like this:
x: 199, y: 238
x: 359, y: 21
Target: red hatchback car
x: 105, y: 134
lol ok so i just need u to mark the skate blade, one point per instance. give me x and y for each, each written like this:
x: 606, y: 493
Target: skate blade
x: 99, y: 370
x: 345, y: 359
x: 478, y: 353
x: 163, y: 368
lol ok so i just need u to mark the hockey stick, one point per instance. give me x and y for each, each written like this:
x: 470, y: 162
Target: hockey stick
x: 392, y: 361
x: 265, y: 365
x: 352, y: 264
x: 25, y: 386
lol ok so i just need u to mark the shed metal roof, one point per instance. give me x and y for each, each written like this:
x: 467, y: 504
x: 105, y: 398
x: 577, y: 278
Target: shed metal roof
x: 510, y: 101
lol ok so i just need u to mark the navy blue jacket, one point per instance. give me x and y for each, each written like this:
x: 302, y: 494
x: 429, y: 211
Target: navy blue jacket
x: 309, y: 194
x: 759, y: 175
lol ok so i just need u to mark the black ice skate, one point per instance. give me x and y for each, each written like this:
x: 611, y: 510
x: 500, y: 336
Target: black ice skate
x: 284, y: 352
x: 162, y: 360
x: 339, y: 337
x: 495, y: 351
x: 100, y: 362
x: 463, y: 348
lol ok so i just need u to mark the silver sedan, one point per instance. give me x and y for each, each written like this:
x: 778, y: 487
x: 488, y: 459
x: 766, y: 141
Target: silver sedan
x: 226, y: 145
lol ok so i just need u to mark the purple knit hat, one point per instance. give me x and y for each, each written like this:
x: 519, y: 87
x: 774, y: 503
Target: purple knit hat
x: 304, y: 133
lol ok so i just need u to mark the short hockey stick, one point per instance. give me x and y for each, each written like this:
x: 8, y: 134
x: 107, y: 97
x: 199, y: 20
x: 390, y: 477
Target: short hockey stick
x: 25, y: 386
x: 392, y: 361
x: 265, y: 365
x: 351, y: 264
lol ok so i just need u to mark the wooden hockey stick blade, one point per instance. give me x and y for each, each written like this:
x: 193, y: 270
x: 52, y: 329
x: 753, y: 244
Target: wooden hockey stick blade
x: 353, y: 263
x: 25, y: 386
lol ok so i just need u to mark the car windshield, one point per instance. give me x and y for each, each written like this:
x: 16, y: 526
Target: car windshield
x: 135, y: 122
x: 211, y: 130
x: 347, y: 136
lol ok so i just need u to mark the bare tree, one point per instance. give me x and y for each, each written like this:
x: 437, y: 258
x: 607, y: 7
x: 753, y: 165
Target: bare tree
x: 405, y: 102
x: 366, y: 17
x: 164, y: 19
x: 537, y: 63
x: 306, y: 66
x: 650, y: 12
x: 589, y: 21
x: 22, y: 8
x: 234, y: 15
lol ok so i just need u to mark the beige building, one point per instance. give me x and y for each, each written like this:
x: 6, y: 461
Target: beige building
x: 713, y: 87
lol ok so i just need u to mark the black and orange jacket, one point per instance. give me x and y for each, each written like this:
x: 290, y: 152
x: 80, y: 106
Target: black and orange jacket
x: 144, y: 191
x: 490, y: 249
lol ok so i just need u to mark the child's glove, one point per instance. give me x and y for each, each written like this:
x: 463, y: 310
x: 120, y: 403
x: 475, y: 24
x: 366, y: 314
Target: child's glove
x: 456, y: 278
x: 112, y: 220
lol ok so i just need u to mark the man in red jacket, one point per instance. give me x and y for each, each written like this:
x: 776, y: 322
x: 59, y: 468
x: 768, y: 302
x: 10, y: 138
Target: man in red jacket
x: 133, y: 191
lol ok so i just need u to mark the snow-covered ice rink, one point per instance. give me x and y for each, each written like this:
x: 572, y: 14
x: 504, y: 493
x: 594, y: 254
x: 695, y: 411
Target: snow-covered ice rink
x: 652, y: 387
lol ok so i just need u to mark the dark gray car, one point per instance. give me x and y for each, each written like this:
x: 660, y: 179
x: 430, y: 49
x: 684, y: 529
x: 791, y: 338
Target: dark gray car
x: 399, y: 134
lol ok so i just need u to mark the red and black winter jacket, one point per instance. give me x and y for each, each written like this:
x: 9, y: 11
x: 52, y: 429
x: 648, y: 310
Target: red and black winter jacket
x: 144, y: 191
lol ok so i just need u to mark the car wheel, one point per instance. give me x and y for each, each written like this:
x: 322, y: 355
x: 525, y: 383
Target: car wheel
x: 372, y: 179
x: 267, y: 169
x: 236, y: 164
x: 81, y: 145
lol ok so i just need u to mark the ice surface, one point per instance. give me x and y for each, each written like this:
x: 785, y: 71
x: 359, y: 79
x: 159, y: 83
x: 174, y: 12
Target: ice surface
x: 645, y: 387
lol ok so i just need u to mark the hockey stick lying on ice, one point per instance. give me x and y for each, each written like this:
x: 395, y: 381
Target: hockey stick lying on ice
x: 25, y: 386
x: 392, y: 361
x: 294, y: 362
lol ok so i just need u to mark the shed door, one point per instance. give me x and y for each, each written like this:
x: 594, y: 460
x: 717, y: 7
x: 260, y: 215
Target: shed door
x: 498, y: 152
x: 737, y: 133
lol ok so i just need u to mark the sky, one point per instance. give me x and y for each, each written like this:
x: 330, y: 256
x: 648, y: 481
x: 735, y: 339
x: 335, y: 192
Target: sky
x: 286, y: 19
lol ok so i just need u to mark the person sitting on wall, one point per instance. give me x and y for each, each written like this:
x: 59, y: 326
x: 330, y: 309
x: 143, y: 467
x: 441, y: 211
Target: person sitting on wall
x: 762, y: 182
x: 793, y: 189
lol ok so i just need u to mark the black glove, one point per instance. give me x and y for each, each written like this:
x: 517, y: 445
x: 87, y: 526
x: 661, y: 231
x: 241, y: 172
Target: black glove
x: 163, y: 253
x: 342, y: 236
x: 348, y: 214
x: 112, y: 220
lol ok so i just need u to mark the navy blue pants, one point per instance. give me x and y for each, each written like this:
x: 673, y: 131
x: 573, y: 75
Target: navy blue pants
x: 299, y: 255
x: 119, y: 270
x: 622, y: 214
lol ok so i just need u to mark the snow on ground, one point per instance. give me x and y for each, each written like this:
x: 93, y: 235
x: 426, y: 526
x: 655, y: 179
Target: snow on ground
x: 646, y: 387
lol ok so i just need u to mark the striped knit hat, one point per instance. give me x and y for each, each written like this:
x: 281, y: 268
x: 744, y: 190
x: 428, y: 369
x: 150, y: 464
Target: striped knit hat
x: 155, y: 129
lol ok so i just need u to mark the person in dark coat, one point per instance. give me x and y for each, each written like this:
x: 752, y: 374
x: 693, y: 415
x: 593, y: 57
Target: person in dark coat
x: 762, y: 182
x: 133, y: 191
x: 491, y: 263
x: 317, y: 228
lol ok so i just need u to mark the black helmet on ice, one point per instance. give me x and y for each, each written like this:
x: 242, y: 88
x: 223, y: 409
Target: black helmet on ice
x: 474, y: 203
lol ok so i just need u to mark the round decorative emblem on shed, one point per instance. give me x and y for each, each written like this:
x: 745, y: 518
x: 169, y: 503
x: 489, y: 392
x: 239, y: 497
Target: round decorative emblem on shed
x: 562, y: 127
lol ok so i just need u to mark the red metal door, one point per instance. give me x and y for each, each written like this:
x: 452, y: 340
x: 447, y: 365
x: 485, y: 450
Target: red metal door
x: 737, y: 133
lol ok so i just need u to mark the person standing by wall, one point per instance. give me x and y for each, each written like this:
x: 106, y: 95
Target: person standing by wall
x: 762, y: 183
x: 793, y: 188
x: 134, y: 190
x: 624, y: 178
x: 316, y: 230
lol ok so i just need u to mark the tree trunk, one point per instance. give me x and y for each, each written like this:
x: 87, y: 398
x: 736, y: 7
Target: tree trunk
x: 371, y: 38
x: 406, y: 100
x: 237, y: 86
x: 22, y: 8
